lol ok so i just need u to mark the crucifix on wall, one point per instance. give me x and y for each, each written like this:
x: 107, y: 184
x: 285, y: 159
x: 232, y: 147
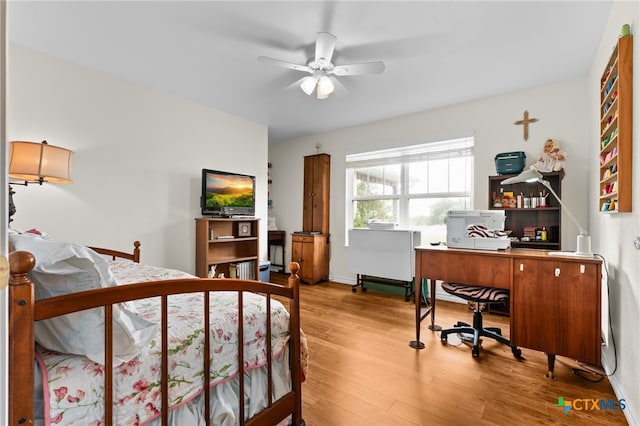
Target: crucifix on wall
x: 525, y: 121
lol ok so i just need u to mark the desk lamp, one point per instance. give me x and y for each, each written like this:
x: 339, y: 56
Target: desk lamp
x: 583, y: 247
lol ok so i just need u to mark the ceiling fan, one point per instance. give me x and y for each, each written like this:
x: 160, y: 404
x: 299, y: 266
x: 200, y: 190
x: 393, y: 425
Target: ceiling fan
x: 322, y: 69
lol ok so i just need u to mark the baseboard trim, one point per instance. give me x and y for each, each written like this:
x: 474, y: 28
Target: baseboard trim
x: 631, y: 416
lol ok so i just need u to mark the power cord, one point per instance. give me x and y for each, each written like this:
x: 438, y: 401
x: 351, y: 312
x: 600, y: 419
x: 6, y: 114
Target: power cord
x: 585, y: 369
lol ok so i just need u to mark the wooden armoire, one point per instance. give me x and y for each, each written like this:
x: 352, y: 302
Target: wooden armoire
x: 310, y: 247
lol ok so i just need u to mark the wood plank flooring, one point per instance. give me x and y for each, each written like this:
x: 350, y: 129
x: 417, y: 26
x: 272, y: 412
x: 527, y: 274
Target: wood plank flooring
x: 363, y: 372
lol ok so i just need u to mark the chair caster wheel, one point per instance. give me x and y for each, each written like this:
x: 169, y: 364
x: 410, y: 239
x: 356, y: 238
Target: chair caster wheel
x: 353, y: 289
x: 443, y: 340
x: 475, y: 352
x: 516, y: 352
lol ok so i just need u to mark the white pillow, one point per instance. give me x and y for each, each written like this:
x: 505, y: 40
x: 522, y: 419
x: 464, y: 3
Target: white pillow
x: 63, y: 268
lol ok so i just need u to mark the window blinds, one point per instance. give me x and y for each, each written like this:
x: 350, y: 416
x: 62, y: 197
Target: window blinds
x: 453, y: 148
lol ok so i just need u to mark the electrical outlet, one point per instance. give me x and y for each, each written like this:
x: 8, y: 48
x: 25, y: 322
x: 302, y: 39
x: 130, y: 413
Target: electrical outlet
x: 636, y: 243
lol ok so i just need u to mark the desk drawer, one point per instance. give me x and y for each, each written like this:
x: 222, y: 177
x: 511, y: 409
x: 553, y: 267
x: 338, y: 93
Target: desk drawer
x: 483, y: 269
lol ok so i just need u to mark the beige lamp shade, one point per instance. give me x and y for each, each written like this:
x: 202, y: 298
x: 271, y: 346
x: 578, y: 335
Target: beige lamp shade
x: 39, y: 162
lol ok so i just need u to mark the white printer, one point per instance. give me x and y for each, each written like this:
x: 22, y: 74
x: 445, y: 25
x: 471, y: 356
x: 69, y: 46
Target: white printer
x: 477, y: 229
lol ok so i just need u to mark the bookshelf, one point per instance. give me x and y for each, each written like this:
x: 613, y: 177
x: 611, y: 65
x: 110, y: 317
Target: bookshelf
x: 231, y: 244
x: 525, y: 221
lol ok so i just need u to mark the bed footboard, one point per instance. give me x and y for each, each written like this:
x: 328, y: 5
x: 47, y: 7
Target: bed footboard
x: 24, y: 310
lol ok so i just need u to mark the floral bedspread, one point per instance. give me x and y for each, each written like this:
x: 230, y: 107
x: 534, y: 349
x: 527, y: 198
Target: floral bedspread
x: 76, y: 384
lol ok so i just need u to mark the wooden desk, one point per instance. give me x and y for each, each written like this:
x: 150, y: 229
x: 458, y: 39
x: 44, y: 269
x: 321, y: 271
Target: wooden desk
x: 276, y: 239
x: 555, y: 301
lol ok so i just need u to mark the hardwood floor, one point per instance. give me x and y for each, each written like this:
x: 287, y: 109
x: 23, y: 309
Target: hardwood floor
x: 363, y: 372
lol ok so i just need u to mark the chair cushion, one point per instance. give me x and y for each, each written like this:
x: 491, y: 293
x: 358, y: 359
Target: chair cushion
x: 476, y: 293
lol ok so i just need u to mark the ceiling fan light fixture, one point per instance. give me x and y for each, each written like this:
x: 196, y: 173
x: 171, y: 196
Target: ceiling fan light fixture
x: 321, y: 66
x: 325, y: 87
x: 308, y: 85
x: 320, y: 95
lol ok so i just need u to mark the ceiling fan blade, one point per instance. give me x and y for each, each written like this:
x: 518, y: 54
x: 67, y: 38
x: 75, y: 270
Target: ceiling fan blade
x: 284, y: 64
x: 325, y: 45
x: 355, y: 69
x: 340, y: 85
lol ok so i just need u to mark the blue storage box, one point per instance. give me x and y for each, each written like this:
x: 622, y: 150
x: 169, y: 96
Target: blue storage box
x: 509, y: 163
x: 265, y: 269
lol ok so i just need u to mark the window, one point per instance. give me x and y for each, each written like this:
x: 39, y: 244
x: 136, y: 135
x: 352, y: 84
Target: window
x: 412, y: 186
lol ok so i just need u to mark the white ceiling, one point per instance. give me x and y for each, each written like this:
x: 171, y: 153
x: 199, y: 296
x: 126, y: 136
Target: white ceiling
x: 436, y: 53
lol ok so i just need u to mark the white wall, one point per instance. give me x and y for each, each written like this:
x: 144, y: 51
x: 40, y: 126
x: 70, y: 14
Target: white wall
x: 613, y: 234
x: 138, y: 158
x: 561, y: 110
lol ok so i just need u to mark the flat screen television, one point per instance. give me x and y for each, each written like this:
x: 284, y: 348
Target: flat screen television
x: 227, y: 194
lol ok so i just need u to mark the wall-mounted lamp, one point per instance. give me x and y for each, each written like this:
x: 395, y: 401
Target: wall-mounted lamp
x: 583, y: 247
x: 34, y: 162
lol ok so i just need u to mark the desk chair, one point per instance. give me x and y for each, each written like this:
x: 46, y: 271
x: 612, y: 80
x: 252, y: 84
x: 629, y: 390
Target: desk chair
x: 479, y: 295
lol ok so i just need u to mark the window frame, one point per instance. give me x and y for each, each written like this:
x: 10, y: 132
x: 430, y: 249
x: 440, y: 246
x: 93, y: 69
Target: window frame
x: 463, y: 147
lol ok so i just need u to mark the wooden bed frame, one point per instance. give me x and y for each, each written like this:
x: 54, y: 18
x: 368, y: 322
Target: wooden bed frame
x: 134, y: 256
x: 24, y: 310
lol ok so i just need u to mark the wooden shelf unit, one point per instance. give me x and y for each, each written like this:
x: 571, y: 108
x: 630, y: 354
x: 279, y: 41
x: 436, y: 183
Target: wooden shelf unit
x: 516, y: 219
x: 227, y: 241
x: 310, y: 248
x: 616, y: 99
x: 315, y: 202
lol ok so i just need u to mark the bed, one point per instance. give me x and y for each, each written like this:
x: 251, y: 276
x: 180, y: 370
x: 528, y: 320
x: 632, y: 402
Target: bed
x: 163, y: 328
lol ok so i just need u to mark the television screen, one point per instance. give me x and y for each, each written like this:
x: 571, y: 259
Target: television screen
x: 227, y: 194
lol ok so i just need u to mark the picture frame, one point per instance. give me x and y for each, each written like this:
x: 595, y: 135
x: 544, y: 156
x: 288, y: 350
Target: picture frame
x: 244, y: 229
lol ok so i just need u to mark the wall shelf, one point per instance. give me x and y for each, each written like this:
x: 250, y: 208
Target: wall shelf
x: 616, y: 89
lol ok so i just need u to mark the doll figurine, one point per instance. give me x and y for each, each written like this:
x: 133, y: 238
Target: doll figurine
x: 552, y: 159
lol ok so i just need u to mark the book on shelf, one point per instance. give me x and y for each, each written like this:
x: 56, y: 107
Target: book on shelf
x: 242, y: 270
x: 233, y: 270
